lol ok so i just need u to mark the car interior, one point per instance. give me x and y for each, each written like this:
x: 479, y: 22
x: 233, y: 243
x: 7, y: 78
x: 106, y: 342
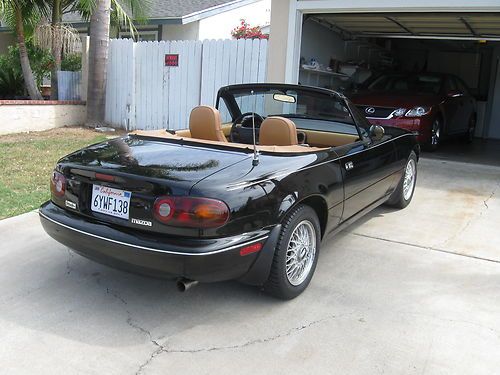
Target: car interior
x: 205, y: 125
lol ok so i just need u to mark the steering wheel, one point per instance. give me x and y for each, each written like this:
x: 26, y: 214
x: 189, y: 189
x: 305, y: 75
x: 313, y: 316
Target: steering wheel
x: 235, y: 130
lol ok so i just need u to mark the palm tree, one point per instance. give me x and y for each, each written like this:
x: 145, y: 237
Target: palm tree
x: 100, y: 16
x: 56, y: 36
x: 98, y: 57
x: 19, y: 14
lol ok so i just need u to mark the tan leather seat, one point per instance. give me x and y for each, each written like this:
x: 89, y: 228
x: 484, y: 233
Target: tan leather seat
x: 205, y: 123
x: 278, y: 131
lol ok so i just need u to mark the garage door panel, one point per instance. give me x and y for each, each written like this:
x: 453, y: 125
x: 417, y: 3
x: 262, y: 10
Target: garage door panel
x: 464, y: 25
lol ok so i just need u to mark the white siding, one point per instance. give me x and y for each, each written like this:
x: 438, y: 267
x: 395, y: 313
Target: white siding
x: 220, y: 25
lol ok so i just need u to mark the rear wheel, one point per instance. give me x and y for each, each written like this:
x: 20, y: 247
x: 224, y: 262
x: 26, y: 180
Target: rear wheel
x: 469, y: 136
x: 436, y: 133
x: 401, y: 197
x: 296, y: 254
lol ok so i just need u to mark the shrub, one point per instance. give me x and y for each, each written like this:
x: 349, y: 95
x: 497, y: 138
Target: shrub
x: 245, y: 31
x: 72, y: 62
x: 11, y: 75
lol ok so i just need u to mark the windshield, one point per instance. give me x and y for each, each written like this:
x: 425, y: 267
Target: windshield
x: 309, y: 109
x: 419, y: 83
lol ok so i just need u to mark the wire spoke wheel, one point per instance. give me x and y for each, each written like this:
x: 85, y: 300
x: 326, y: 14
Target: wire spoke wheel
x: 409, y: 179
x: 301, y: 252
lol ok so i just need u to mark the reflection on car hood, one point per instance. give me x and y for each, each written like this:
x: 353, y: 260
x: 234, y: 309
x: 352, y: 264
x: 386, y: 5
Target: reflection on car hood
x: 394, y: 99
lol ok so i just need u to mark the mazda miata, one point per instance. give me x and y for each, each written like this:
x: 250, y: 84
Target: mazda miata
x: 248, y: 191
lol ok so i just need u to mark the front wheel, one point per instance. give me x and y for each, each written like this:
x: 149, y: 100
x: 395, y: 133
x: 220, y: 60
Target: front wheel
x: 401, y: 197
x: 436, y: 130
x: 296, y: 254
x: 469, y: 136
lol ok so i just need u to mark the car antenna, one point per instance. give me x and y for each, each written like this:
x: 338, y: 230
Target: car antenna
x: 255, y: 160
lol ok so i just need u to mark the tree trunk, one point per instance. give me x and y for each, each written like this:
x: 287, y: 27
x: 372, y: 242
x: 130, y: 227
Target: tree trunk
x: 29, y: 79
x: 56, y: 48
x: 98, y: 57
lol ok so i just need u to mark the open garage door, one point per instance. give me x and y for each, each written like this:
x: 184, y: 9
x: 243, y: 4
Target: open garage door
x: 462, y: 26
x: 347, y: 51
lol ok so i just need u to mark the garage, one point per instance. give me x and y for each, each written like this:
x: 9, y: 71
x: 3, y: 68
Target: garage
x: 335, y: 45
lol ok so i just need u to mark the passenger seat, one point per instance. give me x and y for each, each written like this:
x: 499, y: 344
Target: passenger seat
x: 205, y: 123
x: 278, y: 131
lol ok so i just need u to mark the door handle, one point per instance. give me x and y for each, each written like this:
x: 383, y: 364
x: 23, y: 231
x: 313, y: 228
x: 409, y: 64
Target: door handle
x: 349, y: 165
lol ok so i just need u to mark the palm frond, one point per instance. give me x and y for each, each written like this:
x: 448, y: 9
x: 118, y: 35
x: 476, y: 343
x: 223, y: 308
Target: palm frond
x: 32, y: 12
x: 122, y: 18
x: 65, y: 36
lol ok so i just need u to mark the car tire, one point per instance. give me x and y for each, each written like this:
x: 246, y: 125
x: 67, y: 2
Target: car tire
x: 436, y: 134
x: 402, y: 196
x: 286, y: 281
x: 469, y: 136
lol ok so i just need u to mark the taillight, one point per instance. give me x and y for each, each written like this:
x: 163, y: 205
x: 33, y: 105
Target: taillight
x: 57, y: 184
x: 191, y: 212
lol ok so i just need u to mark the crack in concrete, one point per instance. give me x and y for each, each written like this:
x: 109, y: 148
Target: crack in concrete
x: 132, y: 323
x: 164, y: 349
x: 475, y: 217
x: 431, y: 248
x: 491, y: 196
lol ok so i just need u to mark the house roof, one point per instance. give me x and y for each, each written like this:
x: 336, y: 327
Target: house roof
x: 179, y: 11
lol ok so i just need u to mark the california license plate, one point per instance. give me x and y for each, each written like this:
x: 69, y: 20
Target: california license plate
x: 109, y: 201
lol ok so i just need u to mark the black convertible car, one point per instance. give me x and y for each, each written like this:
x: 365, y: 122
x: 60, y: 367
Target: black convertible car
x: 209, y: 203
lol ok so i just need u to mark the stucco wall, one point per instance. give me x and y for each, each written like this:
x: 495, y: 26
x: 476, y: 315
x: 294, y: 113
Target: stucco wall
x: 189, y: 31
x: 220, y: 25
x: 276, y: 57
x: 33, y: 117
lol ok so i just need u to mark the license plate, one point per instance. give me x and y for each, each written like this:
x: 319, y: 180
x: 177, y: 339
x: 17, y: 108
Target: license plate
x: 109, y: 201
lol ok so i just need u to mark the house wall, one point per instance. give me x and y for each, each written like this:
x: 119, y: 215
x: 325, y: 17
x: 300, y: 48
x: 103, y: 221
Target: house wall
x: 24, y: 116
x: 321, y: 43
x: 276, y: 58
x: 189, y: 31
x: 220, y: 25
x: 6, y: 39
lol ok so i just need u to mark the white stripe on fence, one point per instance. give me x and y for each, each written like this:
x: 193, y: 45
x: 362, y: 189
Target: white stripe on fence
x: 143, y: 93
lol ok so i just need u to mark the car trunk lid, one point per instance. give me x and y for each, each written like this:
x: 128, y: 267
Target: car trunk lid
x: 134, y: 171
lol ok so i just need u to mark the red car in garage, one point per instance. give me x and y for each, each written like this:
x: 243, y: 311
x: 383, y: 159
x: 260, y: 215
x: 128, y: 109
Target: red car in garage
x: 431, y: 105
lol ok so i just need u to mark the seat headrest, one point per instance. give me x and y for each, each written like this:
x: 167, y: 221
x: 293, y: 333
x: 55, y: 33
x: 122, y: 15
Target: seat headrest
x: 205, y: 123
x: 278, y: 131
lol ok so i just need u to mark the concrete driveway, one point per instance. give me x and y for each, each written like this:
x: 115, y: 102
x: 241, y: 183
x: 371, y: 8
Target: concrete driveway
x: 402, y: 292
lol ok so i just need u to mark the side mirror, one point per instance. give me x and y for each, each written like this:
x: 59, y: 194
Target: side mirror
x: 376, y: 132
x: 454, y: 94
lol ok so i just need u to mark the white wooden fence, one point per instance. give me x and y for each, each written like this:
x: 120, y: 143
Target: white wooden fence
x: 143, y: 93
x: 68, y: 85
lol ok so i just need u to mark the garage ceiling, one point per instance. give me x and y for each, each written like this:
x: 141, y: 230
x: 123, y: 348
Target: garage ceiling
x: 417, y: 25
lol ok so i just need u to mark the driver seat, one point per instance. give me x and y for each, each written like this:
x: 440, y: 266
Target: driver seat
x: 278, y: 131
x: 205, y: 123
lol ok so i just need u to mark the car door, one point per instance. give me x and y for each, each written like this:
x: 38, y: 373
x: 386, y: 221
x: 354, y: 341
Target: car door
x: 451, y: 105
x: 369, y: 169
x: 466, y: 108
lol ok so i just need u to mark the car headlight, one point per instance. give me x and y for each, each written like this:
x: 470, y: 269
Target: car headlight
x: 418, y: 111
x: 399, y: 112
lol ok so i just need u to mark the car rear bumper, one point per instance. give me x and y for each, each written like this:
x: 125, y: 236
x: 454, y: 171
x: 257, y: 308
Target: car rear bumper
x: 421, y: 126
x: 204, y: 260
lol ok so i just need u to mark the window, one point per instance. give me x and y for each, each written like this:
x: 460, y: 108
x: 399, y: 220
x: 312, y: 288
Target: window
x: 419, y: 83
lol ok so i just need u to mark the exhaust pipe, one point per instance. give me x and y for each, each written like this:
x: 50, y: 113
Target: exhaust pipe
x: 185, y: 284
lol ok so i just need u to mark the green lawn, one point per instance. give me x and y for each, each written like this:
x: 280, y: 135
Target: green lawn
x: 27, y: 160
